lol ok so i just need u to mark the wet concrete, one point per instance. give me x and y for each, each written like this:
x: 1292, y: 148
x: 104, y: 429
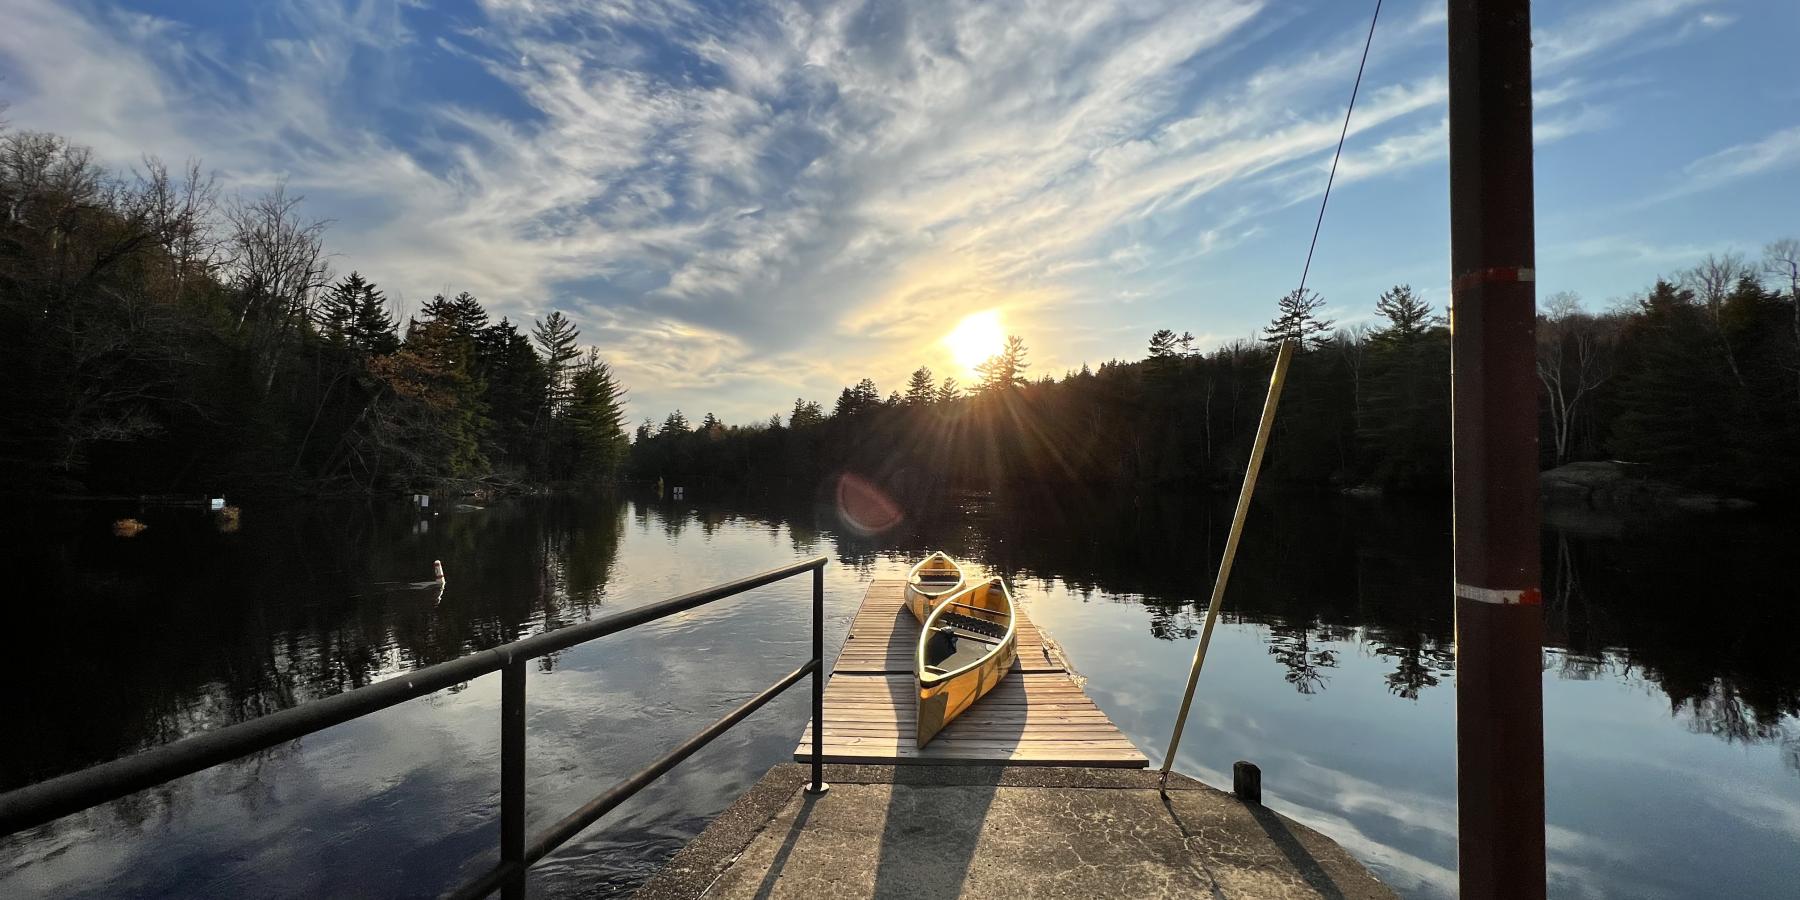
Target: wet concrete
x: 962, y: 831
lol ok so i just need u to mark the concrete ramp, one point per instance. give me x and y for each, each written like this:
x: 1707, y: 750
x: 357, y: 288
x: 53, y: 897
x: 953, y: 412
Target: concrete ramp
x: 992, y: 832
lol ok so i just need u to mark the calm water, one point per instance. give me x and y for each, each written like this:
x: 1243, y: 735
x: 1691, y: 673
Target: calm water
x: 1671, y: 692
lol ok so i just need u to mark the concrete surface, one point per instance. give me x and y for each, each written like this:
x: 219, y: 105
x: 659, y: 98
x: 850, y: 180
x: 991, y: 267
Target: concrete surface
x: 931, y: 831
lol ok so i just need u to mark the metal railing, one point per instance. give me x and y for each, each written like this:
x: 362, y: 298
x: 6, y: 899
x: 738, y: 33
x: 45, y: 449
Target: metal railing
x: 46, y: 801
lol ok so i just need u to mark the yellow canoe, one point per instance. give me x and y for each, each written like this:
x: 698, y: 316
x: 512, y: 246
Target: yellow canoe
x: 968, y: 645
x: 935, y: 577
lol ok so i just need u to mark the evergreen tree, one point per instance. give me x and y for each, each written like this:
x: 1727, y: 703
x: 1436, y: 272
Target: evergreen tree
x: 855, y: 400
x: 436, y: 427
x: 355, y: 315
x: 517, y: 394
x: 1162, y: 344
x: 556, y: 337
x: 1671, y: 417
x: 674, y: 424
x: 1297, y: 320
x: 1005, y: 370
x: 596, y: 420
x: 948, y: 391
x: 806, y: 414
x: 463, y: 321
x: 918, y: 388
x: 1409, y: 316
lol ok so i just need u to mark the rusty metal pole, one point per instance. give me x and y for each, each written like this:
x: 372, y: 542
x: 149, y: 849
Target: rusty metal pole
x: 1499, y: 621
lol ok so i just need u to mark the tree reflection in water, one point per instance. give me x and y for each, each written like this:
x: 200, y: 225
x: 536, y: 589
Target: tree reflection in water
x: 185, y: 629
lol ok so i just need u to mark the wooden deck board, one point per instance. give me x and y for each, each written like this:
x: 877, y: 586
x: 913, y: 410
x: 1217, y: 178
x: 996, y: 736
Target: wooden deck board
x: 1036, y: 716
x: 884, y: 635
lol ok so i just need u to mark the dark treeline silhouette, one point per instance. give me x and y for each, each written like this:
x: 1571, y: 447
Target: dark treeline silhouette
x: 155, y: 338
x: 1697, y: 381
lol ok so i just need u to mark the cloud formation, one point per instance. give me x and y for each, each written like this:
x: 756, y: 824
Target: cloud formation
x: 743, y: 204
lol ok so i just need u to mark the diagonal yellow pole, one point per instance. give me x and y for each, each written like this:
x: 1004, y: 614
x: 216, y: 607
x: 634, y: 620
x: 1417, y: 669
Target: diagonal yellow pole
x: 1276, y: 380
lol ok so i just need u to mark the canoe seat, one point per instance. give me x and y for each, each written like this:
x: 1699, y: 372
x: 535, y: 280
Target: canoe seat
x: 981, y: 627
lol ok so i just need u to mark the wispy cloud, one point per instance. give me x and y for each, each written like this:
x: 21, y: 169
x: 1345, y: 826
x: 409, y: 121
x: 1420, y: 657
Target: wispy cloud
x: 742, y: 205
x: 1779, y: 150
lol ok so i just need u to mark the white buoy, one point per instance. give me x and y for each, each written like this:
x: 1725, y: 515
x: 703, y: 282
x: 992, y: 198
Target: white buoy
x: 218, y: 503
x: 437, y: 569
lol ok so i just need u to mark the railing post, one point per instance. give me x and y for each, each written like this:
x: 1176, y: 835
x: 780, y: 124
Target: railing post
x: 512, y: 778
x: 818, y: 785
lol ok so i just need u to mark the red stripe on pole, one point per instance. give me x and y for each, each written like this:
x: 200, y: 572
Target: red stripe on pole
x: 1497, y: 275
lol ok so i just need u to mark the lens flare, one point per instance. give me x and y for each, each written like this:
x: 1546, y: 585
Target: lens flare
x: 865, y: 508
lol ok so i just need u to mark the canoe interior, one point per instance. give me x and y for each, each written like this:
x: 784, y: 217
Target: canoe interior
x: 968, y: 644
x: 932, y: 578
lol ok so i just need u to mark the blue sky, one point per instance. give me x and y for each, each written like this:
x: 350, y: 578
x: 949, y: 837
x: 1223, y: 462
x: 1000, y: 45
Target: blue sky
x: 740, y: 204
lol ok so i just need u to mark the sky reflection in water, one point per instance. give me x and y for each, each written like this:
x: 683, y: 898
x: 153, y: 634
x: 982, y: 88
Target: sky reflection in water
x: 1673, y: 751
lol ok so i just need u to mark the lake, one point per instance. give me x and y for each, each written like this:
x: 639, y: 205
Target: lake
x: 1671, y: 694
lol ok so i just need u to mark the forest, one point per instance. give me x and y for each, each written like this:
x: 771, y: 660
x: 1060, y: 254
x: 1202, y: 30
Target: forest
x: 157, y: 337
x: 160, y: 339
x: 1695, y: 381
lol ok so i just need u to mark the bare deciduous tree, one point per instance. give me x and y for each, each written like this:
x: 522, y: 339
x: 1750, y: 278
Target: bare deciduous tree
x: 1781, y: 259
x: 180, y: 213
x: 278, y: 262
x: 1353, y: 344
x: 1712, y: 281
x: 1574, y: 357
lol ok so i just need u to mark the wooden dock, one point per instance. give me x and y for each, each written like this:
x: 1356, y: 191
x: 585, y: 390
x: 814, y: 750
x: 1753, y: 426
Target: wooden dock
x: 1038, y: 716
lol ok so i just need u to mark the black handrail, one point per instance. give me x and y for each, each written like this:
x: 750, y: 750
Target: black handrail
x: 49, y: 800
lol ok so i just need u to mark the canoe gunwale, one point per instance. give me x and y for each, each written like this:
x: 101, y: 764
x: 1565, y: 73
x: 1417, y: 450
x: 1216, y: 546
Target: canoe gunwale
x: 916, y: 583
x: 1011, y: 637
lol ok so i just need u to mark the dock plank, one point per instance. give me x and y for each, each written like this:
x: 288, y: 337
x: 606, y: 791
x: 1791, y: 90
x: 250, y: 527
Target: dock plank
x: 1037, y: 715
x: 884, y: 636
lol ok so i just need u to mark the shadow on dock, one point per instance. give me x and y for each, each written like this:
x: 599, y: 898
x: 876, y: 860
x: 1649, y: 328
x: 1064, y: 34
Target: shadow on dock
x: 986, y: 831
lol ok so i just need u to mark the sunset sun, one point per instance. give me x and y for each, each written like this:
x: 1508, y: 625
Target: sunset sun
x: 977, y: 337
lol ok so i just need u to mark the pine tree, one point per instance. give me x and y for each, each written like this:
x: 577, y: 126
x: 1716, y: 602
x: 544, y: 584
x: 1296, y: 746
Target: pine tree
x: 1297, y: 320
x: 439, y: 432
x: 675, y: 423
x: 918, y: 389
x: 1005, y: 370
x: 338, y: 307
x: 1162, y: 344
x: 354, y: 314
x: 463, y: 319
x: 517, y: 392
x: 1409, y: 316
x: 471, y: 318
x: 596, y: 420
x: 1671, y: 417
x: 948, y: 391
x: 806, y: 414
x: 372, y: 326
x: 855, y: 400
x: 556, y: 337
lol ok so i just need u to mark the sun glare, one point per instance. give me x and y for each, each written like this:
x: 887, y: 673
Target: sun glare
x: 977, y: 337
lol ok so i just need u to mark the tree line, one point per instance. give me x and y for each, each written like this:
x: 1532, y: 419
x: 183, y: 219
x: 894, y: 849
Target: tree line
x: 1695, y: 381
x: 157, y: 337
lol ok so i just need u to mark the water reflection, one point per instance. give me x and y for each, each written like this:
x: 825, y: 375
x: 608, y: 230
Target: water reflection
x: 184, y: 629
x: 1333, y: 669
